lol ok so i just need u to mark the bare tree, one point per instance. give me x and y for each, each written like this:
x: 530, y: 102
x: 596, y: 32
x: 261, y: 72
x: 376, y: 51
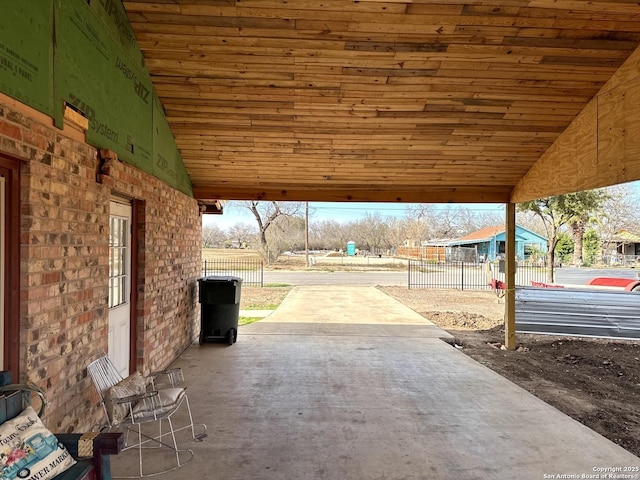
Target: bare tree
x: 241, y: 234
x: 397, y: 232
x: 329, y: 234
x: 416, y: 230
x: 447, y: 222
x: 371, y: 232
x: 530, y: 221
x: 488, y: 219
x: 266, y: 213
x: 317, y: 237
x: 620, y: 212
x: 468, y: 221
x: 212, y: 236
x: 286, y: 233
x: 427, y: 216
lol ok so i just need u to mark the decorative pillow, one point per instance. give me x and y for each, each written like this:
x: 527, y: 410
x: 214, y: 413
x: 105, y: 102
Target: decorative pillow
x: 166, y: 401
x: 29, y: 450
x: 134, y: 384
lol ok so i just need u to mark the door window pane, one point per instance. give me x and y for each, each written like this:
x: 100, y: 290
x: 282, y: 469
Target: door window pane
x: 118, y: 245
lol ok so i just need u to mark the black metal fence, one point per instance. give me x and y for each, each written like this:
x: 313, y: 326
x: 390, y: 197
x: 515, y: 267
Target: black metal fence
x: 251, y: 270
x: 468, y: 275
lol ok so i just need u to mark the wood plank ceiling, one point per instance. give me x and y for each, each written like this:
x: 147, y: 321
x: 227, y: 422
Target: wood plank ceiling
x: 335, y: 100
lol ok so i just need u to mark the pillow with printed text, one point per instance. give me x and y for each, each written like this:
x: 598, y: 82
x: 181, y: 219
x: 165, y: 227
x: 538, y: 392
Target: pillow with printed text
x: 29, y: 450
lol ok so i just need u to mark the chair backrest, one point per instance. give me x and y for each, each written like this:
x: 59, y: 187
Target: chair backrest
x: 104, y: 374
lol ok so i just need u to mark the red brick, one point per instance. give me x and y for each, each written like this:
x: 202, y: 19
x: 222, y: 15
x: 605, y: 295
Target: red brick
x: 10, y: 130
x: 38, y: 141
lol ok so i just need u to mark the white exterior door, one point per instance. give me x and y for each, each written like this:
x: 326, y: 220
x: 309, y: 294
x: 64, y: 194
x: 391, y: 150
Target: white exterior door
x: 120, y: 286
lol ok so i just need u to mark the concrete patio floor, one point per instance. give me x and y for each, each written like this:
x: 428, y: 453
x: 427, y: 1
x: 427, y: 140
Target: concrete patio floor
x: 346, y: 383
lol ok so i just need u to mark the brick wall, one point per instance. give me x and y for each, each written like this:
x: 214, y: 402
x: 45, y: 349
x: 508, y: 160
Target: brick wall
x: 170, y: 263
x: 65, y: 195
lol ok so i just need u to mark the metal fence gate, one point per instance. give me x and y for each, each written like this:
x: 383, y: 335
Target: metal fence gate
x: 468, y: 275
x: 251, y: 270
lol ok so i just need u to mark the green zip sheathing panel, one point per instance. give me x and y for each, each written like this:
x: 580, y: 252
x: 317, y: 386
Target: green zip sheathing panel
x: 26, y: 52
x: 84, y: 54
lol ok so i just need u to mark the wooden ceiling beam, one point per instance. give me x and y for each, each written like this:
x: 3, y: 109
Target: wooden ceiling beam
x: 397, y: 195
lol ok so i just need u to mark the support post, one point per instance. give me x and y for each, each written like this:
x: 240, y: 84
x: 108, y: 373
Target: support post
x: 510, y: 278
x: 306, y: 235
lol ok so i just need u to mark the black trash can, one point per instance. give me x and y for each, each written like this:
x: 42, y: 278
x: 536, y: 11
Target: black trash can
x: 219, y: 308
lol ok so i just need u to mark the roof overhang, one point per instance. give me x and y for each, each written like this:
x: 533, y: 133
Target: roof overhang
x: 397, y: 101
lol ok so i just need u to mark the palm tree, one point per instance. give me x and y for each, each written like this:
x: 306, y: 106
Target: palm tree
x: 588, y: 206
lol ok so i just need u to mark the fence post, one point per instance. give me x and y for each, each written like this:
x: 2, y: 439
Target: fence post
x: 462, y: 275
x: 409, y: 274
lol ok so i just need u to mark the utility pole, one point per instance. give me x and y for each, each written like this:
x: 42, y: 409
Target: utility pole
x: 306, y: 234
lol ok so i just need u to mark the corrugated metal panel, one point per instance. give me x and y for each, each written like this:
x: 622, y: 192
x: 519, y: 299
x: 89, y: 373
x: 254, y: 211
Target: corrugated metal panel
x: 585, y: 313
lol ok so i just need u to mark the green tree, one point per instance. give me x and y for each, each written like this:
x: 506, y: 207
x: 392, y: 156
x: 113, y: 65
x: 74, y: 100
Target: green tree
x: 564, y: 248
x: 560, y: 211
x: 592, y: 249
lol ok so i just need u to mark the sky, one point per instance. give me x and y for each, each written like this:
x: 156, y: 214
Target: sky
x: 345, y: 212
x: 342, y: 212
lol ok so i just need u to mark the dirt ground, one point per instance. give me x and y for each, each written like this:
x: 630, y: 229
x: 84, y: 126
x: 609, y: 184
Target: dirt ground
x: 596, y: 382
x: 257, y: 298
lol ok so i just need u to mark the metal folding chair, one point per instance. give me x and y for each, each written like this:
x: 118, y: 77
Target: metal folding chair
x: 129, y: 405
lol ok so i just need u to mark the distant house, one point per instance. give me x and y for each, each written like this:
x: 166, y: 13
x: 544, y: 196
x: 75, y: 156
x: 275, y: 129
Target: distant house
x: 626, y: 243
x: 490, y: 242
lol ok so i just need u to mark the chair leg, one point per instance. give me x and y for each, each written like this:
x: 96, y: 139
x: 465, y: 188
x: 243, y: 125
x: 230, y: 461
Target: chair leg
x: 175, y: 444
x: 191, y: 425
x: 160, y: 434
x: 140, y: 449
x: 193, y: 432
x: 146, y: 441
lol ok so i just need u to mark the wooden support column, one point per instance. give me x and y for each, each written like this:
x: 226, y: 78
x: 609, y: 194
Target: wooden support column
x: 510, y: 279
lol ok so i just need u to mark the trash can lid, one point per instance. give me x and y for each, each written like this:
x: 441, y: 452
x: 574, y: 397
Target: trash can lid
x: 220, y: 279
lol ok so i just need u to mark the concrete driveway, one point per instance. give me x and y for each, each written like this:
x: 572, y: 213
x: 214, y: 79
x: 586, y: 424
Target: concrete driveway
x: 347, y: 383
